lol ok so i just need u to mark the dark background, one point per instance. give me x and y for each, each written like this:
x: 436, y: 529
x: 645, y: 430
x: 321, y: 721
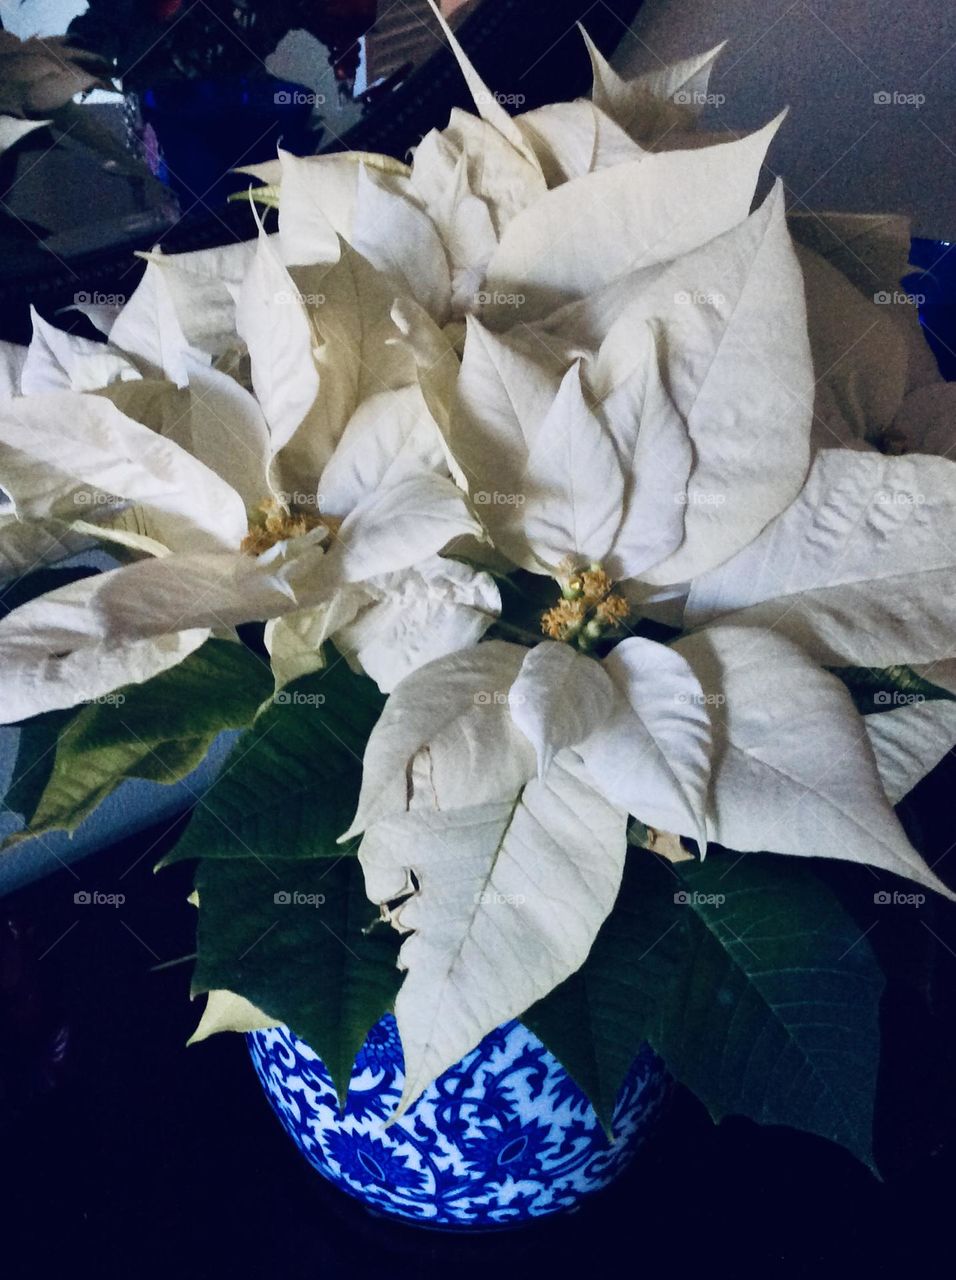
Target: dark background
x: 122, y: 1153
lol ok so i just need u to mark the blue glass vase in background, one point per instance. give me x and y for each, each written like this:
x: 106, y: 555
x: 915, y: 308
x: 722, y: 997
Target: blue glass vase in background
x: 198, y: 131
x: 934, y: 283
x: 502, y: 1138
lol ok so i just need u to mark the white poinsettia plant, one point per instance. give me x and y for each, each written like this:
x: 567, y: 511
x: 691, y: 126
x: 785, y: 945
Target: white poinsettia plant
x: 603, y: 471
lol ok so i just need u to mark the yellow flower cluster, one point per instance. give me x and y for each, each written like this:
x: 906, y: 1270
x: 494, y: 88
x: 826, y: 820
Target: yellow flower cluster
x: 274, y: 523
x: 588, y: 611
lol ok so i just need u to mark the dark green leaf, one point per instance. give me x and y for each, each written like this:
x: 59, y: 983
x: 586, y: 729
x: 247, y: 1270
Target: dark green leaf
x: 596, y: 1021
x: 524, y: 598
x: 750, y: 980
x: 294, y: 786
x: 160, y: 730
x: 775, y: 1012
x: 638, y: 834
x: 294, y: 939
x: 886, y: 689
x: 36, y: 753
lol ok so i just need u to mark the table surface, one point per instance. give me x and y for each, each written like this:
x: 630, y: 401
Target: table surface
x: 126, y: 1154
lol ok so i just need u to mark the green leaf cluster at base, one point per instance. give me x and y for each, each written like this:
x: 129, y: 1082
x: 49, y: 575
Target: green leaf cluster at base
x: 750, y: 980
x: 294, y: 938
x: 284, y: 920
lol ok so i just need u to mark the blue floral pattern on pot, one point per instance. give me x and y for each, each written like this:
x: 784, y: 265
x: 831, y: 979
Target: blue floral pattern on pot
x: 502, y: 1137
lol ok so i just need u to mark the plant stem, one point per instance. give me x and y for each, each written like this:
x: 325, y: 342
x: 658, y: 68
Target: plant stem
x: 508, y: 631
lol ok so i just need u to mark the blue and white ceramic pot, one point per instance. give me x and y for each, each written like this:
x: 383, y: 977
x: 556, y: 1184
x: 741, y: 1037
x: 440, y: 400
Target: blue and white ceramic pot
x: 503, y: 1137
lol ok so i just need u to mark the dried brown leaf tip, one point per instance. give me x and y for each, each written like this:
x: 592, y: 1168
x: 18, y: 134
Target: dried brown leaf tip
x: 667, y: 845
